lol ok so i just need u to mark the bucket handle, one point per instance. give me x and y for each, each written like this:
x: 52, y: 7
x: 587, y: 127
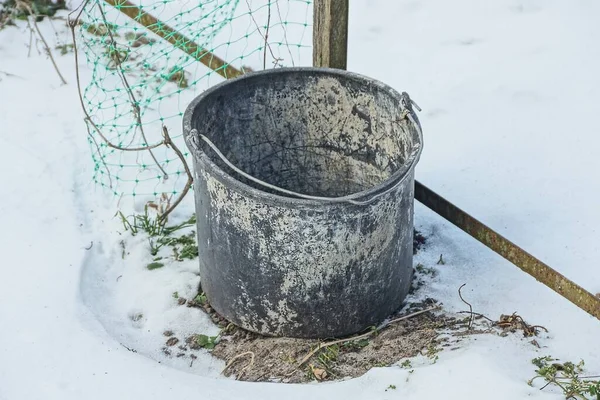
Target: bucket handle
x: 407, y: 113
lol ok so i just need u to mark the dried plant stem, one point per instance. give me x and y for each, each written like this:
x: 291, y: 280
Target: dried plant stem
x: 265, y: 36
x: 478, y: 315
x: 88, y: 118
x: 49, y: 52
x: 31, y: 20
x: 247, y: 367
x: 364, y: 335
x: 169, y: 143
x: 467, y: 303
x: 287, y: 44
x: 134, y: 103
x: 8, y: 74
x: 30, y: 41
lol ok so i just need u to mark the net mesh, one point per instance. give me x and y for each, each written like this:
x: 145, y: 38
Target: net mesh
x: 147, y: 62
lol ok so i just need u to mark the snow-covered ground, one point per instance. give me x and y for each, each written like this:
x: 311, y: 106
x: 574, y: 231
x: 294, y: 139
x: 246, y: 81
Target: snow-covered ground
x: 510, y: 97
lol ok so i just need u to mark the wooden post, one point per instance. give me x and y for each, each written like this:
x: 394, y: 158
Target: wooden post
x: 330, y: 33
x: 181, y: 42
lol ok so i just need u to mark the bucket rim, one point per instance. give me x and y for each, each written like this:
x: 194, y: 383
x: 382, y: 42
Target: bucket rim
x: 200, y: 157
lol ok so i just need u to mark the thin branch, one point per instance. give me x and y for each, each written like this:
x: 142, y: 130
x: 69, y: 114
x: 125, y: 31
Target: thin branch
x: 385, y: 324
x: 73, y: 22
x: 467, y: 303
x: 169, y: 143
x: 265, y: 37
x: 364, y: 335
x: 87, y: 126
x: 579, y: 377
x: 114, y: 146
x: 538, y: 326
x: 30, y: 45
x: 287, y: 44
x: 33, y: 16
x: 88, y: 120
x: 134, y: 102
x: 8, y: 74
x: 477, y: 314
x: 247, y: 367
x: 49, y: 52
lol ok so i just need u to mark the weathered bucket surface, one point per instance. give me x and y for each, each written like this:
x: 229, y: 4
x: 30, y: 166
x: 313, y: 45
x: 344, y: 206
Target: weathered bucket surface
x: 281, y: 265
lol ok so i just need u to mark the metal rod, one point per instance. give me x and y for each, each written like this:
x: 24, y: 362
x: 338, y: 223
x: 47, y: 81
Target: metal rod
x: 510, y: 251
x: 178, y: 40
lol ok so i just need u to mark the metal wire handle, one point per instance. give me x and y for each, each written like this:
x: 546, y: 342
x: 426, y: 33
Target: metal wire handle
x: 408, y: 113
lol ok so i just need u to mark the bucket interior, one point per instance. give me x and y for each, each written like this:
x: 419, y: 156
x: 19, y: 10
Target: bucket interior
x: 315, y: 133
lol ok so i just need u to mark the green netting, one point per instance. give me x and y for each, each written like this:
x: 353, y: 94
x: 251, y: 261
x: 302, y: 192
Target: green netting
x: 131, y: 65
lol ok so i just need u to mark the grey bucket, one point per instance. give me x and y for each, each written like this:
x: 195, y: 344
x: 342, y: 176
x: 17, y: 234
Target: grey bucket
x: 335, y: 260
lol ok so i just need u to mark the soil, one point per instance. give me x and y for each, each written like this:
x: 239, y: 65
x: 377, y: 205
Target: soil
x: 251, y: 357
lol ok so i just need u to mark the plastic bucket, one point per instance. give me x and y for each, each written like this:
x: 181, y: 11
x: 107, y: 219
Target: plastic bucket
x: 305, y: 218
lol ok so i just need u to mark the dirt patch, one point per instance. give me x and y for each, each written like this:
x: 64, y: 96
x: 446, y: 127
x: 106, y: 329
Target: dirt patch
x: 418, y: 329
x: 252, y: 357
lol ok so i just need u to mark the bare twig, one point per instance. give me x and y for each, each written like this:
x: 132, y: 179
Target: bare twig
x: 265, y: 36
x: 49, y: 52
x: 169, y: 143
x: 246, y: 368
x: 30, y: 45
x: 129, y: 348
x: 193, y: 357
x: 31, y: 20
x: 515, y: 321
x: 467, y: 303
x: 134, y: 103
x: 73, y: 22
x: 477, y: 314
x: 11, y: 75
x: 364, y: 335
x: 287, y: 44
x: 87, y: 119
x: 538, y: 327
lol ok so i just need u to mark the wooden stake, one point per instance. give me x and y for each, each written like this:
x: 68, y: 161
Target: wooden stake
x: 178, y: 40
x: 330, y: 33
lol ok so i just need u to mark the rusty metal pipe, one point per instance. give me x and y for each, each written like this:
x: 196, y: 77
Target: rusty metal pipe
x: 510, y: 251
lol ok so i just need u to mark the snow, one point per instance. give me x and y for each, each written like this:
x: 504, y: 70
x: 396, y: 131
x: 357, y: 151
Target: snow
x: 509, y: 92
